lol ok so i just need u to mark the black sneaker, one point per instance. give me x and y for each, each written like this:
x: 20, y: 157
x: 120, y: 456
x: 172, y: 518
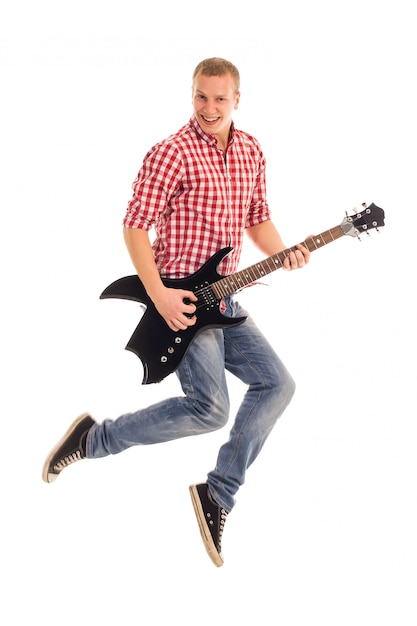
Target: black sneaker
x: 69, y: 449
x: 211, y: 519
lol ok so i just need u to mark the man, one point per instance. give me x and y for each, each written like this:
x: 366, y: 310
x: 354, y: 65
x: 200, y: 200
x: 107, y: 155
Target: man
x: 201, y: 189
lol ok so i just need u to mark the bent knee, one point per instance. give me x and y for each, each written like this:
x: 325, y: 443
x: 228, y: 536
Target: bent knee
x: 284, y: 386
x: 213, y: 417
x: 290, y: 386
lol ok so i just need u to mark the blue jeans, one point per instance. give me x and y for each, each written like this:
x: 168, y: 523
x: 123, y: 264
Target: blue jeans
x: 243, y: 351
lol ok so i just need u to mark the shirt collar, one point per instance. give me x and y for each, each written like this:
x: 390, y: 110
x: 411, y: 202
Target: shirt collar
x: 210, y: 139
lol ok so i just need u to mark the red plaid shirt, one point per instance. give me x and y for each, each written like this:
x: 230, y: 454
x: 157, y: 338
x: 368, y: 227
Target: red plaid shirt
x: 198, y: 199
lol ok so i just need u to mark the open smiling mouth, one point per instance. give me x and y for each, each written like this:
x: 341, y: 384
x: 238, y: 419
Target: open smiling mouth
x: 210, y: 120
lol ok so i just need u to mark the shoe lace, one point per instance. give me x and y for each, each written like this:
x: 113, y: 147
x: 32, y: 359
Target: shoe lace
x: 223, y: 516
x: 68, y: 460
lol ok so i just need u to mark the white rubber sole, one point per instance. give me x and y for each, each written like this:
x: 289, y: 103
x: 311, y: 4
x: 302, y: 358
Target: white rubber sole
x: 204, y: 529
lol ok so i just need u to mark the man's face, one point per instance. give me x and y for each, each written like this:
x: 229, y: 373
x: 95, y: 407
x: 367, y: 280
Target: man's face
x: 214, y: 100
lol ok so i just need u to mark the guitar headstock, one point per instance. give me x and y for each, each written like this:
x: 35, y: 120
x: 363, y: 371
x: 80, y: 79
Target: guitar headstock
x: 363, y: 221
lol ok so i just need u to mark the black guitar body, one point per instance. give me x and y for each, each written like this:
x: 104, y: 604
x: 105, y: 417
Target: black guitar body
x: 159, y: 348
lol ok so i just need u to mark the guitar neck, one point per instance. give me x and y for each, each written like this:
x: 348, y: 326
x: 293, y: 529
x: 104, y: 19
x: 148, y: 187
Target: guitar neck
x: 234, y: 282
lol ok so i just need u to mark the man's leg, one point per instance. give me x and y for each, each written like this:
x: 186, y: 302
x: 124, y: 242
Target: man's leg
x: 249, y: 356
x: 203, y: 408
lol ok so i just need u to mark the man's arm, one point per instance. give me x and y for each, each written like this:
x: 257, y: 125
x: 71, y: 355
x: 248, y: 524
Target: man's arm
x: 168, y: 302
x: 266, y: 237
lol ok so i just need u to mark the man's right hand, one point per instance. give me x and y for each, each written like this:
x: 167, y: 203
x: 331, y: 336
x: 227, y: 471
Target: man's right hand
x: 176, y: 307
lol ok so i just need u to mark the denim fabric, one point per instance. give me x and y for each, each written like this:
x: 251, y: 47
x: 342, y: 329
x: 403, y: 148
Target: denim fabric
x: 243, y: 351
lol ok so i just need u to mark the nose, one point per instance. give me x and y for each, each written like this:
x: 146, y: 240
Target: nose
x: 210, y: 106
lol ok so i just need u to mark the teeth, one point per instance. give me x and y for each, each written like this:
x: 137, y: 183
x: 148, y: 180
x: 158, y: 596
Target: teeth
x: 211, y: 119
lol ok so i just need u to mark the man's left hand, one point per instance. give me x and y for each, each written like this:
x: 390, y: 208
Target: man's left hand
x: 297, y: 258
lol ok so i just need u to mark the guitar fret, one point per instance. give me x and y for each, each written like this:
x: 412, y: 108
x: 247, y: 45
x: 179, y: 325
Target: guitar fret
x: 261, y: 269
x: 314, y: 243
x: 220, y: 288
x: 270, y: 264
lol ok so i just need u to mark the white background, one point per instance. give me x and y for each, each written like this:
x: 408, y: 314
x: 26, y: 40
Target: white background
x: 324, y: 531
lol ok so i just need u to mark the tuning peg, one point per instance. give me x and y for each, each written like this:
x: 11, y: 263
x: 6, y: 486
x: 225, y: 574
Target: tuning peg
x: 364, y: 205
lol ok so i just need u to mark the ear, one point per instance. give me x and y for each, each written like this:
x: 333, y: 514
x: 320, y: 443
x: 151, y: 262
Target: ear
x: 237, y: 101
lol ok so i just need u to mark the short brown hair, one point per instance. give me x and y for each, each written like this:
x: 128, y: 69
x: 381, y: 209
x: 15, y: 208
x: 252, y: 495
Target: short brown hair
x: 215, y: 66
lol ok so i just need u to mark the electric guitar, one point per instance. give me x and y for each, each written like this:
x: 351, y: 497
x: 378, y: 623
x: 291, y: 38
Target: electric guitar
x: 160, y: 349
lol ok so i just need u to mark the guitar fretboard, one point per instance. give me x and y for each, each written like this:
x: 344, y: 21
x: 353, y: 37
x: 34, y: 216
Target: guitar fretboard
x: 234, y: 282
